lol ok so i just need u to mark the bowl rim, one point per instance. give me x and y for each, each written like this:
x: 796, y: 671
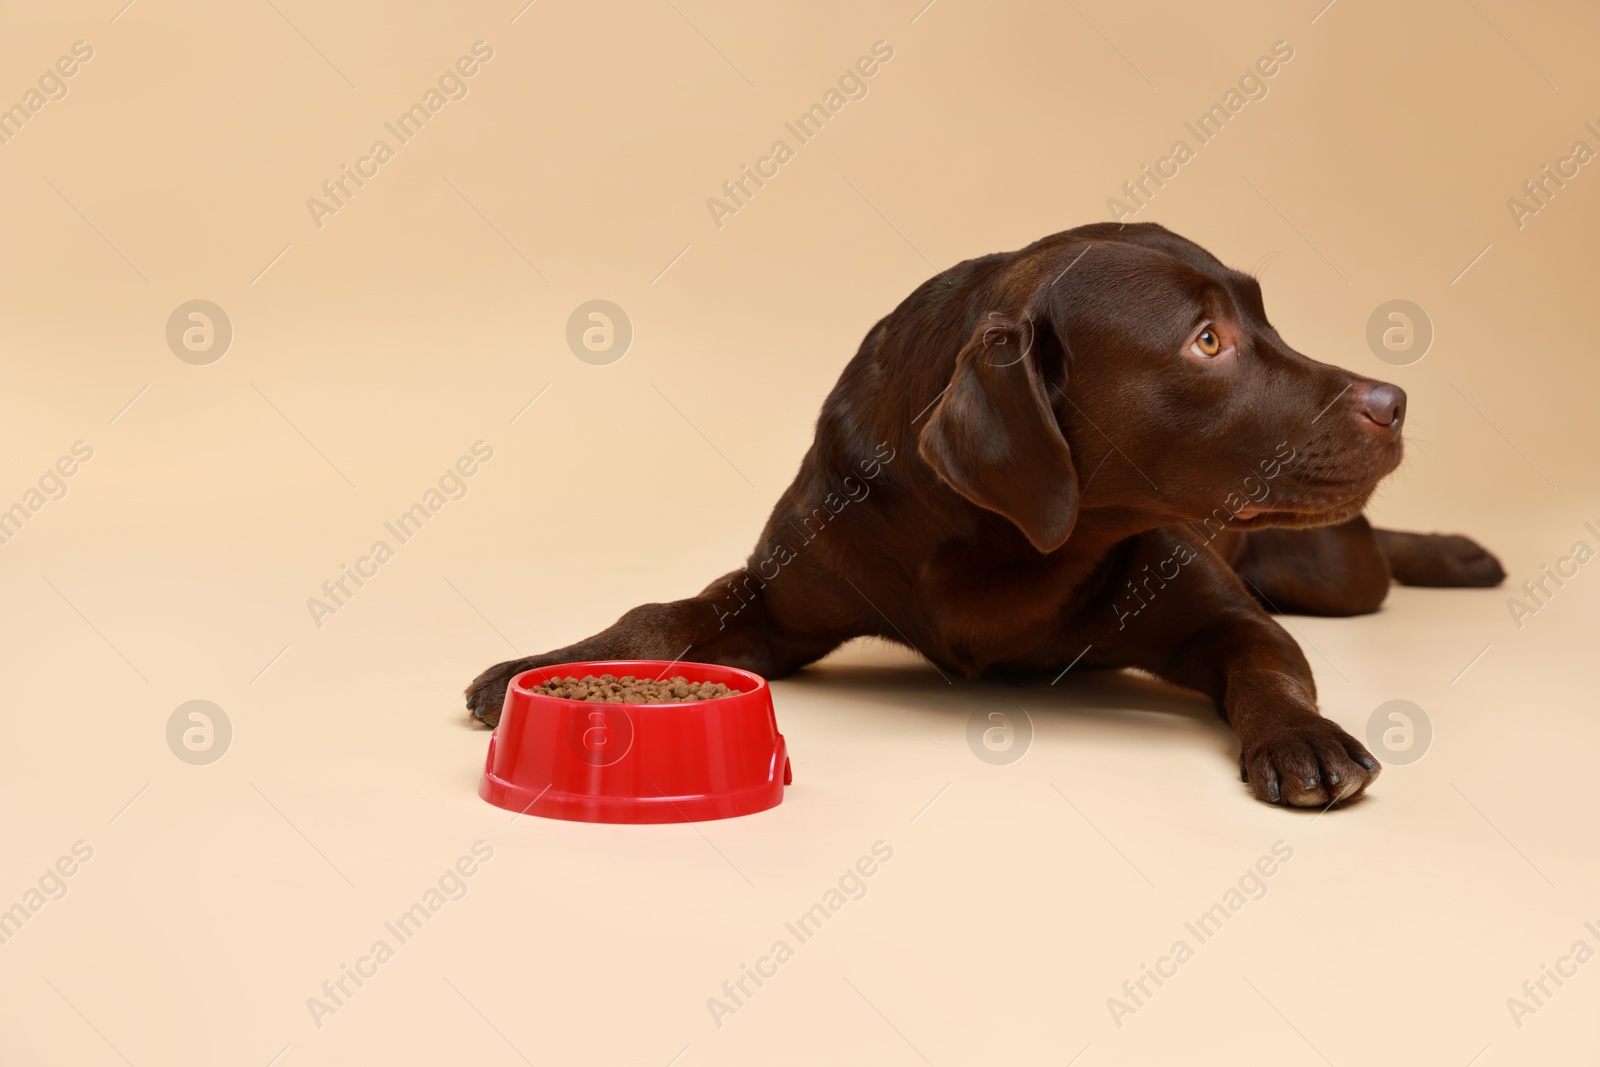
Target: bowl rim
x: 757, y: 684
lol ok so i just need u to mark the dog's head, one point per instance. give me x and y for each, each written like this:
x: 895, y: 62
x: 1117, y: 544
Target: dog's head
x: 1123, y: 371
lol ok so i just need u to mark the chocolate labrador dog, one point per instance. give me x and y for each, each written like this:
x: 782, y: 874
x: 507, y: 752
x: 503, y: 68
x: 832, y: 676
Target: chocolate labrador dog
x: 1094, y: 452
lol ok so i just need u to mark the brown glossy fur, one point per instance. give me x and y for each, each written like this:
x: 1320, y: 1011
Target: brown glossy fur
x: 1028, y: 458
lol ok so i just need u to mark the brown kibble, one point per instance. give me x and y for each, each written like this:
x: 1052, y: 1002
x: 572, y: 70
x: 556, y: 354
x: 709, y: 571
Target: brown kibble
x: 630, y: 690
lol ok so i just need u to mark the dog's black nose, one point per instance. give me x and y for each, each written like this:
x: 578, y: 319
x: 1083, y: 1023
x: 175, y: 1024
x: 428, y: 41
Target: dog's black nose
x: 1384, y: 404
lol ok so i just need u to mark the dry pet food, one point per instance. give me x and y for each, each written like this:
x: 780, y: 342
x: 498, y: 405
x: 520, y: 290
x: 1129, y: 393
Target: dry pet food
x: 630, y: 690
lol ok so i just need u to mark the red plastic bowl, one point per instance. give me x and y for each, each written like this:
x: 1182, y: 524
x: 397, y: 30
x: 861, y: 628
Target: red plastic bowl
x: 590, y: 761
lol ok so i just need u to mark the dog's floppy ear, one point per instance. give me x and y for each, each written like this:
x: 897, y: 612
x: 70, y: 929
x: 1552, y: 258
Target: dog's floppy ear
x: 993, y: 436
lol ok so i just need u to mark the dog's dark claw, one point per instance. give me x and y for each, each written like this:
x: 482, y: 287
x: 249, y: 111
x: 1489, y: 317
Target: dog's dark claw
x: 1311, y: 783
x: 1367, y: 763
x: 1333, y: 777
x: 1274, y: 792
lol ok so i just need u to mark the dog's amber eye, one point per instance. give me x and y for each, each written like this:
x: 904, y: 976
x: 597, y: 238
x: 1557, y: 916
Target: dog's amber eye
x: 1207, y: 344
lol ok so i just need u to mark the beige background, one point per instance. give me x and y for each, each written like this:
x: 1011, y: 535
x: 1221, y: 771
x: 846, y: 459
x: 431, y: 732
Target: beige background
x: 371, y: 353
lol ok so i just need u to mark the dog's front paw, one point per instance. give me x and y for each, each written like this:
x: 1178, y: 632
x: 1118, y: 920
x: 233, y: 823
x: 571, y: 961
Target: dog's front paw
x: 1306, y: 762
x: 486, y: 696
x: 1440, y: 561
x: 1462, y: 562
